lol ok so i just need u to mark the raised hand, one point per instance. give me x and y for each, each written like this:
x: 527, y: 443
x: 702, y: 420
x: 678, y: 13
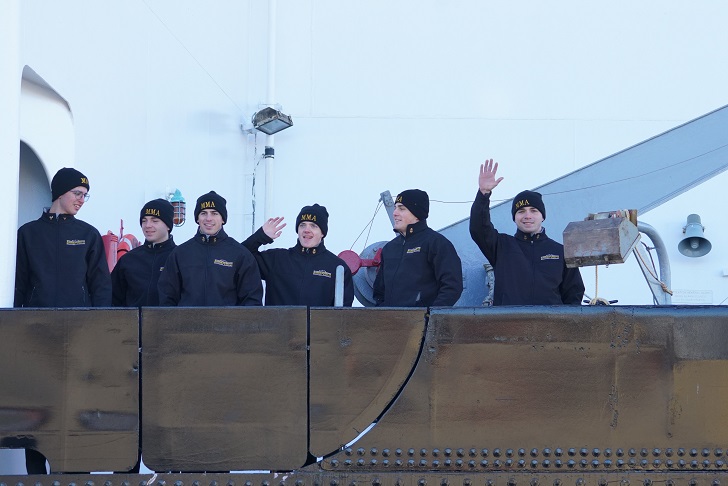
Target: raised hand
x: 274, y: 227
x: 487, y: 180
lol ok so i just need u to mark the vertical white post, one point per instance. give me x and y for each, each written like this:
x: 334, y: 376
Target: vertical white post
x: 270, y: 101
x: 339, y: 287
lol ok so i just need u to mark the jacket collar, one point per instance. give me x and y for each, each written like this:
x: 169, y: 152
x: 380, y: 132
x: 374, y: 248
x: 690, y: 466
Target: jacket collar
x: 414, y: 228
x: 210, y: 239
x: 521, y: 236
x: 53, y: 217
x: 159, y: 246
x: 309, y: 251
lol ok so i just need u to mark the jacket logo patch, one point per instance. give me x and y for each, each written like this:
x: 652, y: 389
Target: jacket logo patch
x: 322, y: 273
x: 75, y: 242
x: 222, y: 263
x: 416, y: 249
x: 550, y: 256
x: 308, y: 217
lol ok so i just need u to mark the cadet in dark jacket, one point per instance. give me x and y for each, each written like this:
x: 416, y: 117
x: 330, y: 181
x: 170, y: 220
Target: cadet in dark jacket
x: 529, y: 266
x: 135, y: 276
x: 306, y: 273
x: 420, y: 267
x: 61, y: 262
x: 210, y: 269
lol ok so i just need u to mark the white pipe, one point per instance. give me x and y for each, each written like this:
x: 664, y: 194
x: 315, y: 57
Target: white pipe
x: 339, y: 287
x: 270, y: 101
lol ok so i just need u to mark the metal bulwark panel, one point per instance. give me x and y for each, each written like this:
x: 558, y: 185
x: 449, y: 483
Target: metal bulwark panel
x: 224, y: 388
x: 70, y: 386
x: 360, y: 358
x: 533, y: 388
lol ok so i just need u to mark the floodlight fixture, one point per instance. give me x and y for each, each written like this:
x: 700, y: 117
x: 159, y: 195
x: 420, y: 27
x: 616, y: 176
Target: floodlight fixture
x: 270, y: 121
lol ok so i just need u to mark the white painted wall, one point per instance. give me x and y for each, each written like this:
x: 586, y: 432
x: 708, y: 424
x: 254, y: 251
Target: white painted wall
x: 384, y: 95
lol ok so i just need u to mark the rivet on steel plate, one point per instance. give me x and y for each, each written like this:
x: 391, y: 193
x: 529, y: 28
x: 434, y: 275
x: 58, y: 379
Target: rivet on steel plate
x: 435, y: 463
x: 360, y: 451
x: 459, y: 463
x: 448, y: 451
x: 373, y: 462
x: 534, y: 452
x: 583, y: 452
x: 534, y: 463
x: 461, y: 452
x: 547, y: 452
x: 466, y: 482
x: 643, y: 462
x: 693, y: 482
x: 706, y: 464
x: 484, y: 463
x: 376, y: 482
x: 719, y: 464
x: 444, y: 482
x: 706, y: 452
x: 559, y: 452
x: 657, y: 463
x: 558, y: 463
x: 352, y: 483
x: 334, y: 463
x: 583, y: 463
x: 546, y: 463
x: 385, y: 452
x: 58, y: 483
x: 693, y: 452
x: 716, y: 482
x: 656, y: 452
x: 557, y: 482
x: 511, y: 482
x: 620, y: 452
x: 423, y: 452
x: 624, y: 482
x: 681, y: 452
x: 398, y: 452
x: 596, y: 452
x: 230, y: 483
x: 385, y: 463
x: 471, y: 464
x: 489, y: 482
x: 299, y: 482
x: 668, y: 452
x: 360, y: 462
x: 607, y: 452
x: 602, y: 482
x: 422, y: 482
x: 448, y: 462
x: 333, y: 482
x: 595, y: 464
x: 472, y: 452
x: 580, y: 482
x: 534, y: 482
x: 620, y: 463
x: 423, y: 462
x: 571, y: 463
x: 521, y: 452
x: 647, y: 482
x: 411, y: 463
x: 398, y: 482
x: 632, y: 453
x: 681, y: 463
x: 347, y: 451
x: 435, y: 452
x: 108, y: 483
x: 373, y: 451
x: 247, y: 483
x: 572, y: 451
x: 608, y: 463
x: 496, y: 452
x: 694, y: 464
x: 214, y: 483
x: 497, y: 463
x: 643, y: 452
x: 718, y: 452
x: 509, y: 452
x: 521, y: 463
x: 347, y: 463
x: 669, y: 482
x: 669, y: 463
x: 410, y: 452
x: 176, y: 483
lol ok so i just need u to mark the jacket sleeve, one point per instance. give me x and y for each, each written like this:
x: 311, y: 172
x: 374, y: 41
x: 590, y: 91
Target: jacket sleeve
x: 481, y: 228
x: 348, y: 287
x: 118, y: 286
x: 97, y: 274
x: 572, y: 286
x: 249, y: 286
x: 253, y: 244
x: 448, y: 271
x: 379, y: 285
x: 22, y: 273
x: 169, y: 286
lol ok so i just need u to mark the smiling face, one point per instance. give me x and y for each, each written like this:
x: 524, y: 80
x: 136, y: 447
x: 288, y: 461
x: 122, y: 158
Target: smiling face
x: 70, y: 202
x: 210, y: 221
x: 309, y: 234
x: 403, y: 217
x: 155, y: 231
x: 529, y: 219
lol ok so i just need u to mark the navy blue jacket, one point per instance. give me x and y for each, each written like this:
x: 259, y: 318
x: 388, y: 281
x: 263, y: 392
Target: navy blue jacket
x: 136, y: 274
x: 61, y: 262
x: 529, y: 269
x: 420, y: 269
x: 298, y: 275
x: 210, y: 271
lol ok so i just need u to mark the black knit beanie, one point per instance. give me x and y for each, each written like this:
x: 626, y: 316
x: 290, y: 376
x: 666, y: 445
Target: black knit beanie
x: 159, y: 208
x: 417, y: 201
x: 211, y: 200
x: 65, y: 180
x: 528, y: 198
x: 315, y: 214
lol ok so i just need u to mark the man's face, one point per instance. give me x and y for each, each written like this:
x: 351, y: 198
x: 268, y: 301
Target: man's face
x: 155, y: 231
x: 403, y: 218
x: 72, y: 201
x: 309, y: 234
x: 210, y: 221
x: 528, y: 220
